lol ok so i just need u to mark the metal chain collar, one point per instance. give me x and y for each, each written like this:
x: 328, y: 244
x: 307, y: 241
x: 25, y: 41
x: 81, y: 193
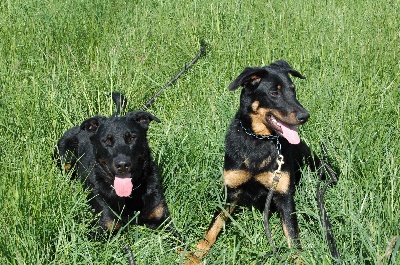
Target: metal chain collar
x: 264, y: 137
x: 279, y: 159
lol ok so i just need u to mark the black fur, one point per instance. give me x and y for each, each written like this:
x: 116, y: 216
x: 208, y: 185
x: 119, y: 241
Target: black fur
x: 252, y: 142
x: 102, y: 149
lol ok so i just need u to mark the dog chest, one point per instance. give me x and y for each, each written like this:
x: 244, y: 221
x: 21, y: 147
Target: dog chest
x: 236, y: 178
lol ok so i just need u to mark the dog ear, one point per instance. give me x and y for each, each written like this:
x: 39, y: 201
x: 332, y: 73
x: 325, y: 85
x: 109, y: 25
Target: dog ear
x: 287, y: 67
x: 66, y: 151
x: 251, y: 76
x: 91, y: 124
x: 143, y: 118
x: 296, y: 73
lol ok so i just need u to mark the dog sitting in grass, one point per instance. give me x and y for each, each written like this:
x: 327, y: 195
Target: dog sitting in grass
x: 263, y: 149
x: 111, y: 156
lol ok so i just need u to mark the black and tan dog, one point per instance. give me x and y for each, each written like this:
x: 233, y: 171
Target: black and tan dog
x: 263, y: 130
x: 112, y: 158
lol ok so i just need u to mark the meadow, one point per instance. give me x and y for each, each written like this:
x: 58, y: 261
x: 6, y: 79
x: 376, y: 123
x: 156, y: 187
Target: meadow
x: 60, y: 60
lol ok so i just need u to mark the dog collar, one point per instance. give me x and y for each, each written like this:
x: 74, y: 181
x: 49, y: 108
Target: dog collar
x: 258, y: 136
x: 263, y: 137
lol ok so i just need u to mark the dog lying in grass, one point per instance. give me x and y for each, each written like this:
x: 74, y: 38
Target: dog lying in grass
x: 111, y: 156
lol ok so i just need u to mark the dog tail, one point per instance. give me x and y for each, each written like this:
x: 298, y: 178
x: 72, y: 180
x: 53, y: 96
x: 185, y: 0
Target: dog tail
x: 120, y: 103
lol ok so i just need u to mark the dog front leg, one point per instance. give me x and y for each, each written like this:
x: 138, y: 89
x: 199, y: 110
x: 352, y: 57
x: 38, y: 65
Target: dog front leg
x: 155, y: 210
x: 107, y: 221
x: 218, y: 222
x: 286, y: 207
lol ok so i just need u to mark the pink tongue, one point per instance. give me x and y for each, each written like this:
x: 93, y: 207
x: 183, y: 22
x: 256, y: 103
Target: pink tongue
x: 123, y: 185
x: 290, y: 133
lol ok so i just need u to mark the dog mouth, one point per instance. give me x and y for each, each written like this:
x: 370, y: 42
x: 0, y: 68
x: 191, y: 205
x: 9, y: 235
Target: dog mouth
x: 123, y: 184
x: 122, y: 181
x: 289, y: 132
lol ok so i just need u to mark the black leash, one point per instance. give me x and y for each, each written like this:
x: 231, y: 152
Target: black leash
x: 184, y: 69
x: 130, y: 255
x: 267, y: 229
x: 120, y: 102
x: 277, y: 177
x: 323, y: 171
x: 333, y: 179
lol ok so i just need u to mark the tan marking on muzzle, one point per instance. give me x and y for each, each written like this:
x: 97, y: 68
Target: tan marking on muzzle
x: 288, y: 119
x: 258, y: 121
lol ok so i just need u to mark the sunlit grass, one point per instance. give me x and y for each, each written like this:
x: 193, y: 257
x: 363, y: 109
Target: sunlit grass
x: 59, y: 61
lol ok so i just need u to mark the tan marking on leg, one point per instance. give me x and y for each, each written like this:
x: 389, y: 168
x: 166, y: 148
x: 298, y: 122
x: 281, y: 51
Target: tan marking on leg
x: 266, y: 179
x: 157, y: 213
x: 67, y: 167
x: 286, y: 233
x: 191, y: 259
x: 235, y: 178
x: 211, y: 236
x: 112, y: 225
x: 212, y: 233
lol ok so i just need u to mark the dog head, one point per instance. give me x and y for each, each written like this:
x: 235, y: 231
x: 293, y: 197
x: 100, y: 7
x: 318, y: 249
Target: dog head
x: 120, y: 147
x: 268, y: 101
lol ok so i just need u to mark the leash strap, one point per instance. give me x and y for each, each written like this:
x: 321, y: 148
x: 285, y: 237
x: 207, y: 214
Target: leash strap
x: 277, y: 177
x: 275, y: 181
x: 322, y: 211
x: 184, y: 69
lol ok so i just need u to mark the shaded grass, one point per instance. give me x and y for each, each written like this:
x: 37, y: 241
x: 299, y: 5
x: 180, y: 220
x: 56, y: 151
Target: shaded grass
x: 60, y: 60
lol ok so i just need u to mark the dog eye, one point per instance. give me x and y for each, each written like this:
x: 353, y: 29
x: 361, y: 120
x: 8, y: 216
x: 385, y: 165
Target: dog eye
x: 109, y: 140
x: 130, y: 138
x: 275, y: 93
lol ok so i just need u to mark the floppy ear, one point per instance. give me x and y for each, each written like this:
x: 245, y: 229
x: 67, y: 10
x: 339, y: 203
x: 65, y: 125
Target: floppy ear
x: 251, y: 76
x: 65, y: 153
x: 142, y: 117
x: 286, y: 66
x: 296, y: 74
x: 281, y: 64
x: 91, y: 124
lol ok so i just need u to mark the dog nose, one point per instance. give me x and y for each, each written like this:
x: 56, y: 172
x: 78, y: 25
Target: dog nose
x: 122, y: 165
x: 302, y: 117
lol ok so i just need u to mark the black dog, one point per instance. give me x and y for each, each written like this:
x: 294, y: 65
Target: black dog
x: 263, y: 130
x: 112, y: 158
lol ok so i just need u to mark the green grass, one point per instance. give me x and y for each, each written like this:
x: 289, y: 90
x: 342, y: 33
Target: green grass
x: 59, y: 60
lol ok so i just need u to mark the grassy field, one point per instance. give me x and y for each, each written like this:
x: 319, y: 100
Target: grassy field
x: 59, y: 61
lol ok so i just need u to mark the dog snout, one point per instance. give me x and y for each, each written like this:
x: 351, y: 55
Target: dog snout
x: 122, y: 164
x: 302, y: 117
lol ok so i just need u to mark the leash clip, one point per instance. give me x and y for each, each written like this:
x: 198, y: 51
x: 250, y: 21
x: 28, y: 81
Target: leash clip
x: 278, y: 172
x: 280, y: 162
